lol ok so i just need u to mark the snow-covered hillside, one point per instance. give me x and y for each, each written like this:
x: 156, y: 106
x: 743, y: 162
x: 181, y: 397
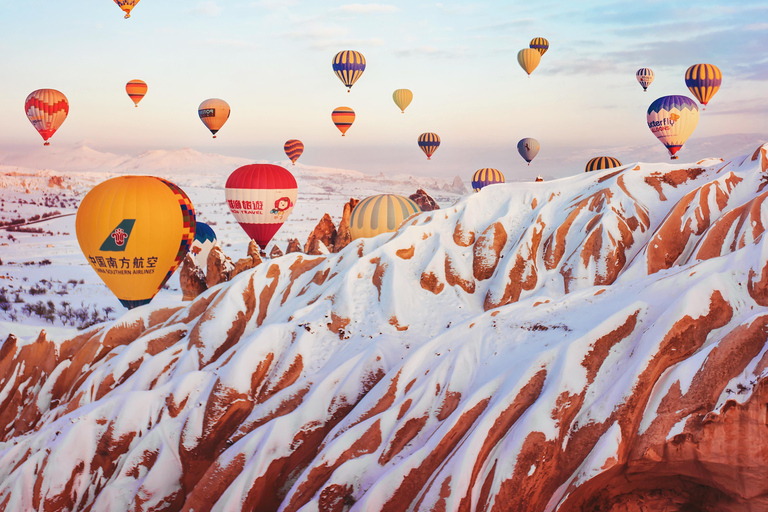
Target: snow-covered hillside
x: 591, y: 343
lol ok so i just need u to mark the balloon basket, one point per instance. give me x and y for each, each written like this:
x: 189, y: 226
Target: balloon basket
x: 46, y: 143
x: 127, y: 16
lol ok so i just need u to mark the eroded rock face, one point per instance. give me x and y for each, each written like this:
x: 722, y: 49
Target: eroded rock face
x: 293, y: 246
x: 492, y: 356
x: 276, y: 252
x: 191, y: 278
x: 424, y: 200
x: 220, y: 267
x: 322, y: 237
x: 250, y: 261
x: 343, y: 236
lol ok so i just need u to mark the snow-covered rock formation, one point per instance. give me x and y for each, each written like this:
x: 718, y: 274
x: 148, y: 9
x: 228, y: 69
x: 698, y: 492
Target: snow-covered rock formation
x: 590, y: 343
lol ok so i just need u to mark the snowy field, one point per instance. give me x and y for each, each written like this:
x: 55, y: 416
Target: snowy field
x: 45, y: 282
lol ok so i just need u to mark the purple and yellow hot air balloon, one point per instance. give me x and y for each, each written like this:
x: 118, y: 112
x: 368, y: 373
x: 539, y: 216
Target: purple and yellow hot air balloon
x: 127, y: 6
x: 429, y: 142
x: 349, y: 66
x: 539, y: 44
x: 486, y: 176
x: 293, y: 149
x: 645, y: 76
x: 602, y: 162
x: 672, y: 120
x: 704, y: 81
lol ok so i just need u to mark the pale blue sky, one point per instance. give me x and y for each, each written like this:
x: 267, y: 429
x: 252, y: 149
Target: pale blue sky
x: 271, y: 61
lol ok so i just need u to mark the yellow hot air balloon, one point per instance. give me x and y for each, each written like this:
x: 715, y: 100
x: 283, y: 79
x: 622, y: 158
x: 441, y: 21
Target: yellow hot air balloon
x: 134, y: 231
x: 380, y: 214
x: 136, y: 90
x: 127, y: 6
x: 672, y: 120
x: 213, y: 113
x: 528, y: 59
x: 403, y: 98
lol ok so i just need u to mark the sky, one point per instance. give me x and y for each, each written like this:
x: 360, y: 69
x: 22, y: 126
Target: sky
x: 271, y: 61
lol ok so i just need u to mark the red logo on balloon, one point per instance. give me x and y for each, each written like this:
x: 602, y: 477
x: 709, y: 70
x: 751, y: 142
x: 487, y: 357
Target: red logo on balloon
x: 119, y: 236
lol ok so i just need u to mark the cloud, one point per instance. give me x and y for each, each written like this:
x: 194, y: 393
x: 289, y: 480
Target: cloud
x: 367, y: 8
x: 229, y: 43
x: 333, y: 37
x: 433, y: 52
x: 209, y: 8
x: 274, y: 4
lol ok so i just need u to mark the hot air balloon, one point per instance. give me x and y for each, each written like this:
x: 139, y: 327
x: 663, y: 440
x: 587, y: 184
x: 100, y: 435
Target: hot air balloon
x: 528, y: 148
x: 261, y: 197
x: 380, y: 214
x: 293, y: 149
x: 602, y: 162
x: 486, y: 176
x: 205, y: 239
x: 213, y: 113
x: 136, y: 90
x: 429, y: 142
x: 539, y: 44
x: 135, y: 231
x: 46, y: 109
x: 127, y: 6
x: 672, y: 120
x: 645, y: 76
x: 349, y: 66
x: 528, y: 59
x: 343, y: 117
x: 704, y: 81
x: 403, y: 98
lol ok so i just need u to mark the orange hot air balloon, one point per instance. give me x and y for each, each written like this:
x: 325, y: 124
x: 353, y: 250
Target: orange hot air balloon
x: 136, y: 90
x: 213, y: 113
x: 127, y: 6
x: 528, y: 59
x: 343, y: 117
x: 293, y: 149
x: 46, y: 109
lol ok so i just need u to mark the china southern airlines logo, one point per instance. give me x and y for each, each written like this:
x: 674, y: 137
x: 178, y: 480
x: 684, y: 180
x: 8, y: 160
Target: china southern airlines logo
x: 118, y: 238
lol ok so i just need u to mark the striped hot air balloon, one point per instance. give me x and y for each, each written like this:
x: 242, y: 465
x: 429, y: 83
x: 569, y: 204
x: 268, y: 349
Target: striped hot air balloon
x: 136, y: 90
x: 486, y: 176
x: 403, y: 98
x: 293, y: 149
x: 672, y: 120
x: 135, y: 231
x: 528, y: 149
x: 343, y: 117
x: 127, y: 6
x: 602, y: 162
x: 213, y: 113
x: 539, y: 44
x: 429, y: 142
x: 528, y: 58
x: 46, y: 109
x: 645, y: 76
x: 348, y: 66
x: 704, y: 81
x: 261, y: 197
x: 380, y: 214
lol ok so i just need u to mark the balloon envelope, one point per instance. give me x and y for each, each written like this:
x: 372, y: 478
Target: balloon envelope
x: 205, y: 239
x: 136, y: 90
x: 539, y: 44
x: 704, y: 81
x: 261, y: 197
x: 528, y: 148
x: 46, y: 109
x: 213, y: 113
x: 602, y: 162
x: 429, y: 142
x: 528, y: 59
x: 672, y: 120
x: 293, y: 149
x: 134, y: 231
x: 645, y: 76
x: 348, y: 66
x: 127, y: 6
x: 380, y: 214
x: 403, y: 98
x: 486, y: 176
x: 343, y: 117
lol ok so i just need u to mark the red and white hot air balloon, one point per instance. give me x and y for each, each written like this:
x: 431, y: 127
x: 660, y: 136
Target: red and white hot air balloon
x: 46, y: 110
x: 261, y: 197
